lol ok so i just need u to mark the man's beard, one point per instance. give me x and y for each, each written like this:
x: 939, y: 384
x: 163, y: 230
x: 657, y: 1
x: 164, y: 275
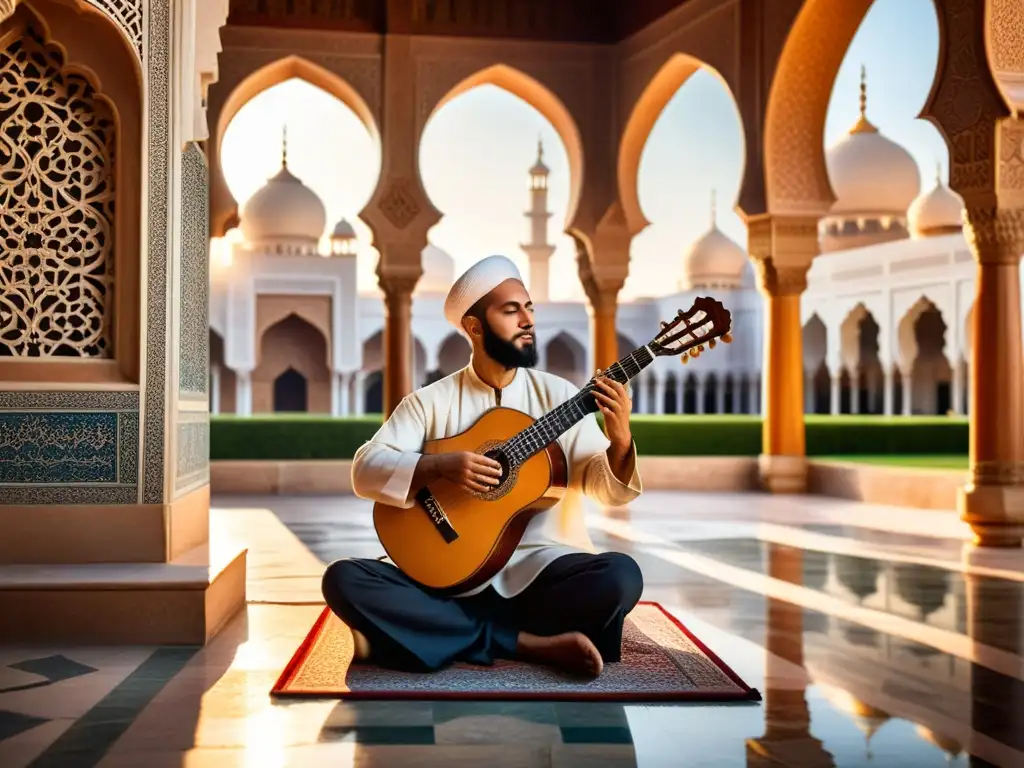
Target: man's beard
x: 506, y: 353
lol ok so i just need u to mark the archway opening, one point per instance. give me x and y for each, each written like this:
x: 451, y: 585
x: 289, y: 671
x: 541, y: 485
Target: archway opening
x: 292, y: 344
x: 492, y: 152
x: 567, y: 358
x: 453, y: 355
x: 327, y: 145
x: 223, y: 382
x: 685, y: 126
x: 815, y: 349
x: 291, y: 392
x: 931, y: 374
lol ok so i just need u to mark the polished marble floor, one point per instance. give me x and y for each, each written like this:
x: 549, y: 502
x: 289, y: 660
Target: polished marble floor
x: 874, y: 634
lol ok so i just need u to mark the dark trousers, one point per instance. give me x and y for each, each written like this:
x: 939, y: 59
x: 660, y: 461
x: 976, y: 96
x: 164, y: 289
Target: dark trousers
x: 413, y: 629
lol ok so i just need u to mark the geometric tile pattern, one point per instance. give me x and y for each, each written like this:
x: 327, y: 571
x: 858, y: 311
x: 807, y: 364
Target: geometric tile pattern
x: 54, y: 668
x: 194, y: 306
x: 69, y: 447
x: 193, y: 465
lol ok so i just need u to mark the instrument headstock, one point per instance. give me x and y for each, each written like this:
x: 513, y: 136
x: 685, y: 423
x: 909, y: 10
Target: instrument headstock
x: 703, y: 323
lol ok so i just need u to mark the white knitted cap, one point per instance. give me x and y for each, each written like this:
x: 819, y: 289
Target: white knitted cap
x: 475, y: 283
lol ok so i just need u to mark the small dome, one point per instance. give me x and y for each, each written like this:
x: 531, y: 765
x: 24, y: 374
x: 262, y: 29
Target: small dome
x: 870, y: 175
x: 284, y: 213
x: 438, y: 271
x: 939, y: 211
x: 343, y: 230
x: 714, y: 260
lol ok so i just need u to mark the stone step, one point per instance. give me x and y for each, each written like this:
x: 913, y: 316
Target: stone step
x: 182, y: 602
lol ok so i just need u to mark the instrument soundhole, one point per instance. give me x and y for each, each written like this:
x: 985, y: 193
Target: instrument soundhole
x: 499, y: 456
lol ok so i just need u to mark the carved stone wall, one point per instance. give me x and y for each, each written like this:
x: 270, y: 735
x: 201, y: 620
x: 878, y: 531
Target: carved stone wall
x: 193, y: 455
x: 56, y: 207
x: 128, y: 16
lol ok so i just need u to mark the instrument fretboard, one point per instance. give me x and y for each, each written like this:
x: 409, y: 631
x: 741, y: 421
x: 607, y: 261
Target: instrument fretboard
x: 564, y: 417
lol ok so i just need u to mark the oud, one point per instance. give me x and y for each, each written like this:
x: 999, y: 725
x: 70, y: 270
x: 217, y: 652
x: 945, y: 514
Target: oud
x: 453, y: 539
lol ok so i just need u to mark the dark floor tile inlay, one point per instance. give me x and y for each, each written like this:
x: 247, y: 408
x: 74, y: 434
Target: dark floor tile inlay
x: 86, y: 742
x: 54, y: 668
x: 13, y: 723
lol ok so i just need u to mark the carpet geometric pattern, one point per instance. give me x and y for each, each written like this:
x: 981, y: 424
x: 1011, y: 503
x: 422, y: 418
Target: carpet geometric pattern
x: 661, y: 661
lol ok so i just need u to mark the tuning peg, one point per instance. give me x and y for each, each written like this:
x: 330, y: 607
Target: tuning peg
x: 727, y: 338
x: 695, y: 352
x: 712, y: 344
x: 700, y: 348
x: 664, y: 325
x: 685, y: 358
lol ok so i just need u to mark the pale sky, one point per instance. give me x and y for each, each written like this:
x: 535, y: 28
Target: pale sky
x: 477, y: 149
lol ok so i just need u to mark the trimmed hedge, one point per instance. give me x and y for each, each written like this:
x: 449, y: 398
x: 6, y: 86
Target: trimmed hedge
x: 299, y: 436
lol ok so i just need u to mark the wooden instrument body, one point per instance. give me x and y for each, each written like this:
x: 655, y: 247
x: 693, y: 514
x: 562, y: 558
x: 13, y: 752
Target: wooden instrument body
x: 489, y: 525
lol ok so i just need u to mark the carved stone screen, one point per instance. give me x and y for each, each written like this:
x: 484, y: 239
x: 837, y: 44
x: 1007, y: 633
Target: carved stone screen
x: 57, y: 150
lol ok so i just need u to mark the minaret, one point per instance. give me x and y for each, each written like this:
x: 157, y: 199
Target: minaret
x: 539, y: 250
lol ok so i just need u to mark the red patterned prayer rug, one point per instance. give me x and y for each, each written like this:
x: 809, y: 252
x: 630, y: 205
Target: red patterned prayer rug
x: 661, y: 661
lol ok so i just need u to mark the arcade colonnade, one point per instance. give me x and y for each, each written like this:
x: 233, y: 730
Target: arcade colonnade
x: 782, y: 87
x: 106, y: 404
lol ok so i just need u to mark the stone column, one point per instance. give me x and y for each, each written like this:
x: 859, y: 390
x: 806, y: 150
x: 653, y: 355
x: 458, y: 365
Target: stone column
x: 907, y: 387
x: 701, y: 389
x: 888, y: 394
x: 987, y: 171
x: 854, y: 392
x: 835, y: 383
x: 644, y: 391
x: 243, y: 393
x: 719, y: 394
x: 659, y: 395
x: 957, y: 386
x: 344, y: 383
x: 809, y: 399
x: 992, y: 501
x: 680, y: 391
x: 602, y: 308
x: 359, y: 392
x: 755, y: 394
x: 782, y: 249
x: 215, y: 390
x: 398, y: 346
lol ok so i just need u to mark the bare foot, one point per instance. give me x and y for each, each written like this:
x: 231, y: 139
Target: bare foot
x: 572, y: 652
x: 362, y: 646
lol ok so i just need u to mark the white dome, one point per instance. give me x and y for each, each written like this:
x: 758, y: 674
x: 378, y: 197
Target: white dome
x: 713, y: 261
x: 438, y: 271
x: 343, y: 230
x: 938, y: 211
x: 284, y: 212
x: 870, y: 175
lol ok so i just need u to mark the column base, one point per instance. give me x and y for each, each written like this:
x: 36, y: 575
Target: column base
x: 782, y: 474
x: 994, y: 512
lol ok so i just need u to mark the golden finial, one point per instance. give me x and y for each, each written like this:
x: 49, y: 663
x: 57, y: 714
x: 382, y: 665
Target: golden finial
x: 284, y: 146
x: 938, y: 172
x: 714, y: 208
x: 863, y: 125
x: 540, y: 149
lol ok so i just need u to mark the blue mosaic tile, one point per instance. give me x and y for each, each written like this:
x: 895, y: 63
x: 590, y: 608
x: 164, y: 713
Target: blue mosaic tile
x: 57, y: 448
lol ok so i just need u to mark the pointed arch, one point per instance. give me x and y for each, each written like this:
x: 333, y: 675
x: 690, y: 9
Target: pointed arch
x: 796, y: 179
x: 645, y: 113
x: 224, y: 208
x: 541, y: 98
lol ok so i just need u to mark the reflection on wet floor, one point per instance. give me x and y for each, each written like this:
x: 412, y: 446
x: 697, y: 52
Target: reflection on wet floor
x: 862, y: 659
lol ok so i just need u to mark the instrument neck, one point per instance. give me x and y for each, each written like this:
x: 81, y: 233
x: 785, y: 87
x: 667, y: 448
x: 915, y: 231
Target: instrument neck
x: 564, y: 417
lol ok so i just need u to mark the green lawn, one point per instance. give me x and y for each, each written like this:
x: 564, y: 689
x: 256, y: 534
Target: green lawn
x: 935, y: 461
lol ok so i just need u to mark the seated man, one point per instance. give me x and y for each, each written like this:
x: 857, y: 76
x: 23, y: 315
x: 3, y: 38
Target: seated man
x: 552, y: 603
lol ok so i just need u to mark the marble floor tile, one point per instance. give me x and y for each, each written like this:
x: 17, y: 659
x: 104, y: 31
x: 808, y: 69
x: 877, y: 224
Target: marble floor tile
x: 873, y: 638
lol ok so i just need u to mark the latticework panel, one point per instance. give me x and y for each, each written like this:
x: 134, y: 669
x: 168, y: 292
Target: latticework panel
x: 57, y: 150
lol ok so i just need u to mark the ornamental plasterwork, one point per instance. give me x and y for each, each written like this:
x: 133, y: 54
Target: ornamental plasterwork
x: 57, y: 207
x: 128, y: 16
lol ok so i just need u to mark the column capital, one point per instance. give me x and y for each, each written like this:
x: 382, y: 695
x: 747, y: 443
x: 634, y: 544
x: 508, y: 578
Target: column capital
x: 995, y: 234
x: 782, y: 249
